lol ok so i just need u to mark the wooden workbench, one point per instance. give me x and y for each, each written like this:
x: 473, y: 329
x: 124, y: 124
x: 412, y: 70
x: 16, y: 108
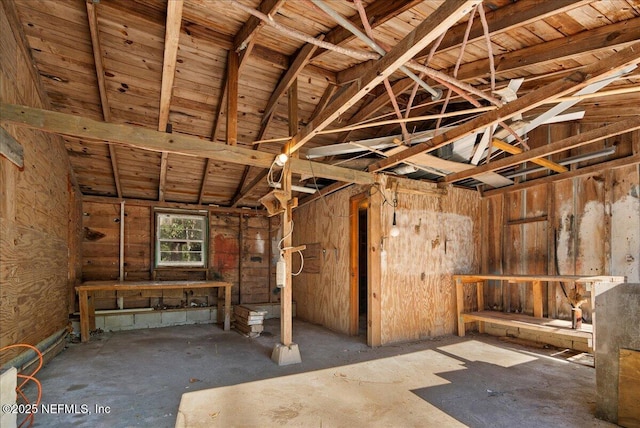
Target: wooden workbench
x: 87, y: 289
x: 535, y: 322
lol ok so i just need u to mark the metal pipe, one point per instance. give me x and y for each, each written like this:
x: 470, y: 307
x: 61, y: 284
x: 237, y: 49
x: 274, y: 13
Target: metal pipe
x: 435, y: 94
x: 25, y: 359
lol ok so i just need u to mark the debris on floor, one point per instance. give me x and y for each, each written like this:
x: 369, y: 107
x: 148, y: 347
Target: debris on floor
x: 248, y: 321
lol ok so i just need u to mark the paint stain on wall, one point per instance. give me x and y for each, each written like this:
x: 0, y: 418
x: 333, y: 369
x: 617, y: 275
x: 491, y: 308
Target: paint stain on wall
x: 225, y: 253
x: 590, y: 259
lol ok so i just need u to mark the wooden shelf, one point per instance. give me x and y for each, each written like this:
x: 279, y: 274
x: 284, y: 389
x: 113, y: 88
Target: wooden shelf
x: 547, y: 325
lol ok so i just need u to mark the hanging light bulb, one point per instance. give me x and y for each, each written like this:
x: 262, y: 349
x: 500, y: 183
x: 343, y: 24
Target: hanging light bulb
x: 281, y: 159
x: 395, y: 231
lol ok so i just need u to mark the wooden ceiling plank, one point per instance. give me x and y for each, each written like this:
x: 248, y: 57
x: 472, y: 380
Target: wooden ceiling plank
x: 566, y: 85
x: 171, y: 42
x: 302, y: 59
x: 569, y: 143
x: 92, y: 15
x: 506, y: 147
x: 148, y: 139
x: 437, y: 23
x: 252, y: 185
x: 253, y: 24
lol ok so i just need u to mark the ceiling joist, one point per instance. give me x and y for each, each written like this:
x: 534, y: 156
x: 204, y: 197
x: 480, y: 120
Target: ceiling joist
x: 438, y: 22
x: 573, y: 82
x: 148, y: 139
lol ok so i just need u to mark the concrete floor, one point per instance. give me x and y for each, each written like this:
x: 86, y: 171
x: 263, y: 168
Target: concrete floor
x: 229, y: 380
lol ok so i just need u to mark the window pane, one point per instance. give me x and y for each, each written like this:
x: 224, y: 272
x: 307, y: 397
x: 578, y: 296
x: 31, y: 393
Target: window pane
x: 181, y: 239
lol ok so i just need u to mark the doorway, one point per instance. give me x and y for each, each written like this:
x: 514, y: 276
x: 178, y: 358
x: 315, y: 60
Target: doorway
x: 359, y: 256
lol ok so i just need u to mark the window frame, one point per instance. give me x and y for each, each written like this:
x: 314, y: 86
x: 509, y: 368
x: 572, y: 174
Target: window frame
x: 204, y: 241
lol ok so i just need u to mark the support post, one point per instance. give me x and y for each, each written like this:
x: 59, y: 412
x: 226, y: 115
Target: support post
x: 287, y: 352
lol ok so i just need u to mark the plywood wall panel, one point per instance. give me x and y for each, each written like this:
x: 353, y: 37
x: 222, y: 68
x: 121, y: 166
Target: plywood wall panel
x: 36, y: 239
x: 439, y: 236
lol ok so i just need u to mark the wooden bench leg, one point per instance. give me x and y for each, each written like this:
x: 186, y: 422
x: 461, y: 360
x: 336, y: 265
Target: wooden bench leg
x: 460, y: 306
x: 227, y: 308
x: 84, y: 316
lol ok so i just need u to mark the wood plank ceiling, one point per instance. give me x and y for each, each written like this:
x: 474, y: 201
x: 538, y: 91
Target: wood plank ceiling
x: 219, y: 71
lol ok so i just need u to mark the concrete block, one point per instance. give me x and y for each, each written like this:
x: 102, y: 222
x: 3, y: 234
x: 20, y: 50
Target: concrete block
x: 99, y: 323
x: 286, y: 355
x: 8, y: 383
x: 148, y: 320
x: 199, y: 316
x: 117, y: 322
x: 174, y: 317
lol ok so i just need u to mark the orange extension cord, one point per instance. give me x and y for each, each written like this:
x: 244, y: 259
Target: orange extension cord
x: 27, y: 378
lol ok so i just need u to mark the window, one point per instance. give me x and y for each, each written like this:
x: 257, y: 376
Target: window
x: 181, y: 240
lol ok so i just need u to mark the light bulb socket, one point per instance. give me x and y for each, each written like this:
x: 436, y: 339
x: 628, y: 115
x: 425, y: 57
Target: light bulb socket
x: 281, y: 159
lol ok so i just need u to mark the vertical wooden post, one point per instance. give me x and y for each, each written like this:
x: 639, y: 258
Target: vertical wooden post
x: 480, y: 286
x: 287, y: 352
x: 84, y: 315
x: 121, y: 275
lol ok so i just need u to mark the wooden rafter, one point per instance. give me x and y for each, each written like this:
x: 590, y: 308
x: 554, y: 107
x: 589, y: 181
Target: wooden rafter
x: 566, y: 85
x: 505, y: 18
x: 297, y: 65
x: 598, y: 39
x: 506, y: 147
x: 569, y: 143
x: 92, y: 15
x: 233, y: 69
x: 148, y: 139
x: 243, y: 41
x: 171, y: 41
x: 437, y: 23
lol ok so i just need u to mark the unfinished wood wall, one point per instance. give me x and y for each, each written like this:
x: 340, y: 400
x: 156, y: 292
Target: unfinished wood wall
x: 587, y: 225
x: 439, y: 237
x: 321, y: 291
x: 239, y: 251
x: 37, y: 241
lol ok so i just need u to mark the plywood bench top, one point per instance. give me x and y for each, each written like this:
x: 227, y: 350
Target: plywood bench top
x: 138, y: 285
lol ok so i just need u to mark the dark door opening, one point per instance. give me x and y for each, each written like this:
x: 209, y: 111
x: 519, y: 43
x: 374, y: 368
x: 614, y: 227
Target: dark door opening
x: 363, y: 279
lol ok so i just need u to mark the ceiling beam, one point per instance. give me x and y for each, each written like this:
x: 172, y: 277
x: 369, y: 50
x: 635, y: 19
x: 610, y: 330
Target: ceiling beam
x: 301, y: 60
x: 171, y: 41
x: 593, y: 169
x: 437, y: 23
x: 602, y: 38
x: 92, y: 15
x: 148, y: 139
x: 233, y: 70
x: 504, y: 19
x: 575, y: 81
x: 569, y: 143
x: 243, y: 41
x: 506, y: 147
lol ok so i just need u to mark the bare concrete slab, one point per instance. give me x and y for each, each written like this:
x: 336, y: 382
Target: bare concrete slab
x: 142, y: 377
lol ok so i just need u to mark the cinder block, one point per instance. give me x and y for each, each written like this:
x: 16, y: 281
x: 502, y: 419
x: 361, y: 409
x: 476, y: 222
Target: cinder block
x: 200, y: 316
x: 174, y: 317
x: 100, y: 322
x: 117, y: 322
x: 148, y: 320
